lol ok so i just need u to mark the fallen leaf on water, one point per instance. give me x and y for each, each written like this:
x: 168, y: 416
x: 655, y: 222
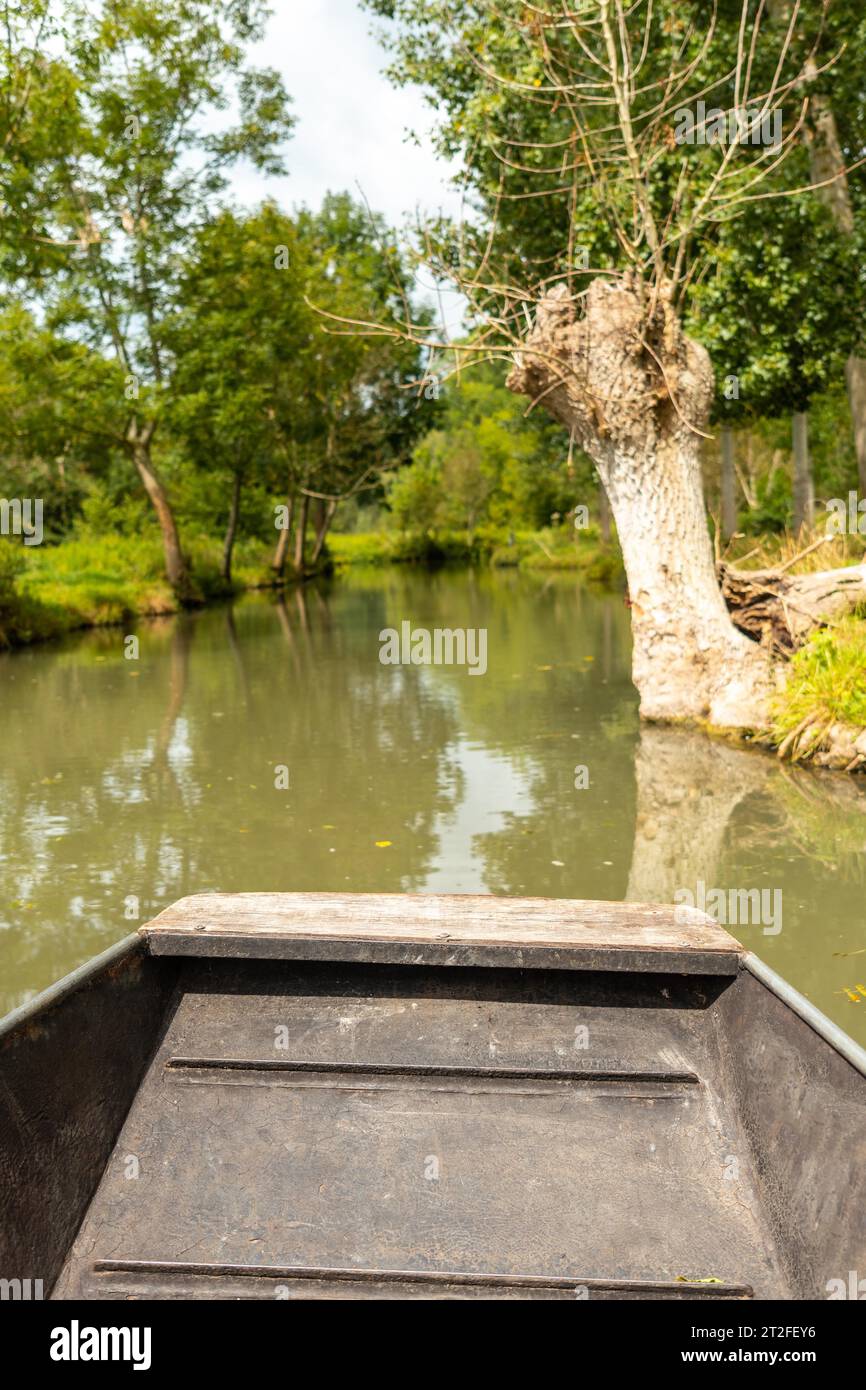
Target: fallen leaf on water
x: 383, y: 844
x: 687, y: 1279
x: 329, y: 827
x: 557, y: 863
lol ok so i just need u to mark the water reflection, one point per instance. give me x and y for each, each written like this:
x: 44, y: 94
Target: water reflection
x: 145, y: 780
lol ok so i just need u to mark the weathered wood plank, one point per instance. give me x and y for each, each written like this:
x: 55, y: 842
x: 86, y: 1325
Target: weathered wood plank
x: 447, y: 929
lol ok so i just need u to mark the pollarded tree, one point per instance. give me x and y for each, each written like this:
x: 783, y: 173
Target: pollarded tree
x: 604, y: 142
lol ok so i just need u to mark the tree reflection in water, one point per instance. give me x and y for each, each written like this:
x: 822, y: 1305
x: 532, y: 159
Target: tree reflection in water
x: 156, y: 778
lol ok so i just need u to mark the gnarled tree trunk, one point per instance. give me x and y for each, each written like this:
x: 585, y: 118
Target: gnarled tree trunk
x: 780, y: 610
x: 636, y: 393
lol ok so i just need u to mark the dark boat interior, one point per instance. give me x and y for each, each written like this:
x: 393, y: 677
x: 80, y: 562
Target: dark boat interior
x: 231, y: 1127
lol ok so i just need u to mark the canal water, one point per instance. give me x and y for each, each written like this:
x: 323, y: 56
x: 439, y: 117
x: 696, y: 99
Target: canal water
x: 265, y: 746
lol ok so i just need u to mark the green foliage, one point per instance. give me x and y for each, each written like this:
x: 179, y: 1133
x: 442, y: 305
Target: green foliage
x: 765, y: 279
x: 101, y: 578
x: 494, y: 76
x: 552, y: 549
x: 101, y: 215
x: 487, y: 463
x: 827, y: 680
x: 778, y: 312
x: 11, y: 567
x: 773, y: 510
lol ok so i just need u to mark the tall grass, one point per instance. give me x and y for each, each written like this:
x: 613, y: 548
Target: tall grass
x: 826, y: 685
x: 94, y: 580
x: 806, y: 552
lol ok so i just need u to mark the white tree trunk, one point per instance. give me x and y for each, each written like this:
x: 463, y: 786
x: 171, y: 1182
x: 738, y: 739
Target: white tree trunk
x: 637, y: 395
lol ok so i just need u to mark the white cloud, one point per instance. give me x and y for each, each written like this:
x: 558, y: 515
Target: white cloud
x: 352, y: 123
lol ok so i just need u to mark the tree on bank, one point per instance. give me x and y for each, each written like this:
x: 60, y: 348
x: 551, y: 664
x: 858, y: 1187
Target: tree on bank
x: 602, y: 181
x: 241, y: 320
x: 358, y: 404
x: 100, y: 217
x: 262, y: 392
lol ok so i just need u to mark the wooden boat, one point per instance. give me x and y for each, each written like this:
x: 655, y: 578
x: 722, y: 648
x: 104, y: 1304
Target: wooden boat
x: 352, y: 1096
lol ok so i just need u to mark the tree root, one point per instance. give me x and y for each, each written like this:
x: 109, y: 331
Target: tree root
x: 825, y: 743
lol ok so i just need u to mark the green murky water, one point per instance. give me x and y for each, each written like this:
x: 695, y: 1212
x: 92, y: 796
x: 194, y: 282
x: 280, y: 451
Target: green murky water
x: 127, y: 783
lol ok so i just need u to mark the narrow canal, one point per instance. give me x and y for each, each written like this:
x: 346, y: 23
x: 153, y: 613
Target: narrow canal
x: 264, y: 746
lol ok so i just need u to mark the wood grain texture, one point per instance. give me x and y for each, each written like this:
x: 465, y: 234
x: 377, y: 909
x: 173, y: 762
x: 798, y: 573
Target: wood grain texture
x: 458, y: 929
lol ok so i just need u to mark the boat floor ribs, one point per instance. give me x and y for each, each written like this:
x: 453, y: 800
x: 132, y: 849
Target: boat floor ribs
x: 368, y: 1131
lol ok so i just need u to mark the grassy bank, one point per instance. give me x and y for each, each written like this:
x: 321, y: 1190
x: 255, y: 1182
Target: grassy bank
x: 47, y: 591
x: 554, y: 548
x: 95, y: 581
x: 821, y: 714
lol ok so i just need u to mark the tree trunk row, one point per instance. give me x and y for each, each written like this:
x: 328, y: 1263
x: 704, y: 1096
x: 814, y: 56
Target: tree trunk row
x: 804, y: 487
x: 298, y: 510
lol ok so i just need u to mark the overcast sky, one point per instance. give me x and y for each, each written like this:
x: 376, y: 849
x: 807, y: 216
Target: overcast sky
x: 352, y: 122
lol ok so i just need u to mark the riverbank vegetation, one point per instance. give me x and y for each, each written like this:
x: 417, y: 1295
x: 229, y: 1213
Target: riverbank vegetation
x: 660, y: 382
